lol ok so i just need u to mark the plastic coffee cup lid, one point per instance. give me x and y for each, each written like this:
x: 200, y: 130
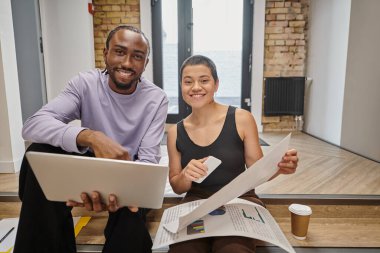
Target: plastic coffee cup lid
x: 300, y: 209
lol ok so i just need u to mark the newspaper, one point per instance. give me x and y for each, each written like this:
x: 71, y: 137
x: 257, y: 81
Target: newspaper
x: 176, y: 220
x: 238, y: 217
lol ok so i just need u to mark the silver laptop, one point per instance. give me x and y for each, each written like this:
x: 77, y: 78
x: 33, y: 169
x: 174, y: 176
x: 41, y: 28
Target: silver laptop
x: 65, y: 177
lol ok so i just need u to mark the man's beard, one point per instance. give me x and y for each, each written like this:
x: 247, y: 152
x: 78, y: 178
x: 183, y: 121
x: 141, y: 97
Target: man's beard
x: 123, y: 86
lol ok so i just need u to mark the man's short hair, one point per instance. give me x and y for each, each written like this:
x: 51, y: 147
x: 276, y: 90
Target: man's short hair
x: 129, y: 28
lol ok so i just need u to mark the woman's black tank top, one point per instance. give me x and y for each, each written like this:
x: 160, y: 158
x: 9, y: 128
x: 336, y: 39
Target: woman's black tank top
x: 228, y: 147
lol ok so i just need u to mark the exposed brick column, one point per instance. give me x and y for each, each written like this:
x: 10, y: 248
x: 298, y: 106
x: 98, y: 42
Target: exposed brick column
x: 285, y: 48
x: 109, y: 14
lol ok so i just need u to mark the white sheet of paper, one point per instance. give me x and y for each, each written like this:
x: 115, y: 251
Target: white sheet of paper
x: 259, y: 173
x: 6, y: 225
x: 9, y: 241
x: 240, y: 218
x: 212, y: 163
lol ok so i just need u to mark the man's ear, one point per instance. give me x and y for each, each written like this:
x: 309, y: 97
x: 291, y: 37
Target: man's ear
x: 105, y: 52
x: 146, y: 63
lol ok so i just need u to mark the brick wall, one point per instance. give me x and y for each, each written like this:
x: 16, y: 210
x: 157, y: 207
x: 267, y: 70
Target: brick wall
x: 108, y: 14
x: 285, y: 49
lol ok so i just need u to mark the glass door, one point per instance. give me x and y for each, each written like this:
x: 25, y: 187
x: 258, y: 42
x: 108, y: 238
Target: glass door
x: 218, y: 29
x: 218, y: 34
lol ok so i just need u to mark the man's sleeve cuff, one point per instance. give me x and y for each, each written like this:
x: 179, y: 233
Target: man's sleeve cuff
x: 69, y: 140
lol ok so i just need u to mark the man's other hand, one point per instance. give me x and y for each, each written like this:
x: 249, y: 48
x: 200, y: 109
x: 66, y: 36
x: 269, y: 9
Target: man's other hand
x: 102, y: 145
x: 94, y: 203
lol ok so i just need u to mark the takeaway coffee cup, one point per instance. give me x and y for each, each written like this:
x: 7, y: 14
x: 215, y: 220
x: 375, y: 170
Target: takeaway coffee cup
x: 300, y: 217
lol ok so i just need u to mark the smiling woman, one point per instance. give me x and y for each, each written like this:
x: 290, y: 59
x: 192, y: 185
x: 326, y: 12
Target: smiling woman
x: 207, y: 131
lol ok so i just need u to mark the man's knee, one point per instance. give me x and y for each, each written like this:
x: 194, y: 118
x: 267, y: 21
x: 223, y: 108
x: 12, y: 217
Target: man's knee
x: 28, y: 184
x: 46, y: 148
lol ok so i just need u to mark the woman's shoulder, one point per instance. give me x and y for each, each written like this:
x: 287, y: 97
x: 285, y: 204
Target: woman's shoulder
x: 172, y: 135
x: 172, y: 129
x: 243, y: 114
x: 244, y: 119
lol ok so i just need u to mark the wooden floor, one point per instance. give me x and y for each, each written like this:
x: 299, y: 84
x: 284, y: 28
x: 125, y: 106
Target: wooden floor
x: 8, y: 182
x: 323, y: 169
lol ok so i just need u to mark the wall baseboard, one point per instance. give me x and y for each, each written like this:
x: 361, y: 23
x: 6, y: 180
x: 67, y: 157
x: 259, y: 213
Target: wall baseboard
x: 10, y: 166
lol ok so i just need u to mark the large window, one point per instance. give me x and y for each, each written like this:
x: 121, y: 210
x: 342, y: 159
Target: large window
x: 219, y: 29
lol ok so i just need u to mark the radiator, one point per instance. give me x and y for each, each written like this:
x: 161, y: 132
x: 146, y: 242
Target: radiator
x: 284, y: 96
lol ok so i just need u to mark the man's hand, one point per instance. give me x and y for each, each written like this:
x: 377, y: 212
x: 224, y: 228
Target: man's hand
x: 94, y: 203
x: 102, y: 145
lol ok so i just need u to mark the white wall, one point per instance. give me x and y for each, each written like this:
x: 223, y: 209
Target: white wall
x: 11, y: 144
x: 68, y: 40
x: 361, y: 108
x: 258, y: 61
x: 326, y: 64
x: 146, y: 28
